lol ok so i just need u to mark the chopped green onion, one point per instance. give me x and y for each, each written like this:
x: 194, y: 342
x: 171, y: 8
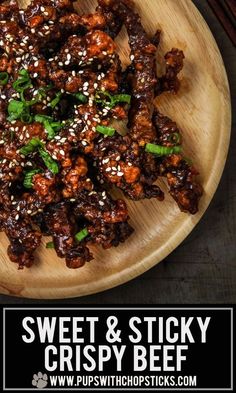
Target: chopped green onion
x: 100, y: 100
x: 49, y: 125
x: 56, y: 100
x: 81, y: 235
x: 15, y: 109
x: 20, y: 110
x: 121, y: 98
x: 113, y: 100
x: 23, y: 82
x: 109, y: 131
x: 31, y: 146
x: 48, y: 161
x: 42, y: 118
x: 4, y: 77
x: 26, y: 117
x: 162, y: 150
x: 81, y: 97
x: 29, y: 177
x: 174, y: 138
x: 50, y: 245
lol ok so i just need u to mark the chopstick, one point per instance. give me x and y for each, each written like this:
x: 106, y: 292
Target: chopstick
x: 225, y: 11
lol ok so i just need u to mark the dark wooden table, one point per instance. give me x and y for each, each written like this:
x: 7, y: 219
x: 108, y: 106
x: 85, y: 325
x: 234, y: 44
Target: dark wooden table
x: 203, y: 268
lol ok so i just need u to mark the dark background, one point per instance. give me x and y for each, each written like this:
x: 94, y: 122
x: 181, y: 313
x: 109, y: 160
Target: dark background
x: 203, y: 268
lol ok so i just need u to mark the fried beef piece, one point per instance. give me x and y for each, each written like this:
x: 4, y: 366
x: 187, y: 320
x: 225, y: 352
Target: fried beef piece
x: 181, y: 176
x: 23, y: 238
x: 144, y: 79
x: 113, y: 23
x: 119, y: 161
x: 63, y: 230
x: 174, y: 64
x: 107, y: 218
x: 168, y: 133
x: 181, y: 180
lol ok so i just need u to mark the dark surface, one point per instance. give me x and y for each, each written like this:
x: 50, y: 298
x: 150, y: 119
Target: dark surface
x: 203, y: 268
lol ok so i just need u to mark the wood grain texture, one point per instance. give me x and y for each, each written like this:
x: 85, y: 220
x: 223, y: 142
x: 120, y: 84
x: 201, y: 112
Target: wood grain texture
x: 203, y: 112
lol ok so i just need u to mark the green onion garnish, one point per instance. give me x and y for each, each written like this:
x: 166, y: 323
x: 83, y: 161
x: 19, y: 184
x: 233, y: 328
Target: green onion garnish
x: 121, y: 98
x: 48, y: 161
x: 112, y: 100
x: 109, y: 131
x: 29, y: 177
x: 20, y: 110
x: 26, y: 117
x: 81, y: 97
x: 162, y: 150
x: 31, y: 146
x: 174, y: 138
x: 42, y: 118
x: 51, y: 126
x: 36, y: 144
x: 56, y: 100
x: 4, y: 77
x: 50, y: 245
x: 23, y: 82
x: 15, y: 109
x: 81, y: 235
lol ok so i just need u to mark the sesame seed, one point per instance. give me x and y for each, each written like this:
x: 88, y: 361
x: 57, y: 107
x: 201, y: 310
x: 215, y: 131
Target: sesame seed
x: 120, y: 174
x: 62, y: 152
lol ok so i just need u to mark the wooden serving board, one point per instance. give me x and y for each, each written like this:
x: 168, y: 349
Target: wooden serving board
x: 202, y: 110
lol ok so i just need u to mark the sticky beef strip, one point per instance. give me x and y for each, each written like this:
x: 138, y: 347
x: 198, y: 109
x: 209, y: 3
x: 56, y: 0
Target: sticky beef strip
x: 174, y: 64
x: 107, y: 219
x: 119, y: 162
x: 180, y: 175
x: 63, y: 229
x: 23, y: 238
x: 113, y: 23
x: 143, y: 54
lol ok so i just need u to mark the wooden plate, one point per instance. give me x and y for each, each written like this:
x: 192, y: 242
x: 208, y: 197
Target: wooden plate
x: 202, y: 110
